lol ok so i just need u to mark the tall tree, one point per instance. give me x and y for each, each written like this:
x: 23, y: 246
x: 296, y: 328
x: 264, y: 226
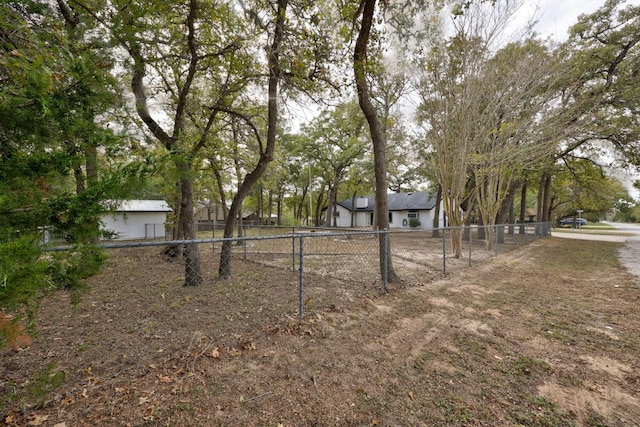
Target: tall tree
x: 333, y: 142
x: 601, y: 95
x: 448, y: 121
x: 518, y: 86
x: 296, y: 58
x: 579, y: 184
x: 597, y: 116
x: 266, y: 151
x: 193, y: 70
x: 481, y: 111
x: 365, y: 16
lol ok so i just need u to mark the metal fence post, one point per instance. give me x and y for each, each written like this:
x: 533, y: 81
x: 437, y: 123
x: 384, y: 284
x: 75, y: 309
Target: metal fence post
x: 301, y: 279
x: 293, y: 252
x: 213, y: 236
x: 385, y: 253
x: 470, y: 243
x: 444, y: 251
x: 244, y: 243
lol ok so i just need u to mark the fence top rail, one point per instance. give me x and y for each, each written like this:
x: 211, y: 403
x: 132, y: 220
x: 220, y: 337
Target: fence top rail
x: 138, y: 244
x: 294, y: 234
x: 474, y: 226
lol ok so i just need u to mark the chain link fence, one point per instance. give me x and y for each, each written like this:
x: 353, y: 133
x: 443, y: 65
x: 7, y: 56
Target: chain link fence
x: 348, y: 256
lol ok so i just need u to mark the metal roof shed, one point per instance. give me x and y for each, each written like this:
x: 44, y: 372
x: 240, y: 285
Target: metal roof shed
x: 136, y: 219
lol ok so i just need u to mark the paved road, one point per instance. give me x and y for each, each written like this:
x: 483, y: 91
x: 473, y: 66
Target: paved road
x: 630, y: 255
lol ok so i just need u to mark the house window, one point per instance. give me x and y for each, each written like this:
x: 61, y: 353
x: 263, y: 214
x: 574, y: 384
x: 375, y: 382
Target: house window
x: 413, y: 215
x: 391, y: 217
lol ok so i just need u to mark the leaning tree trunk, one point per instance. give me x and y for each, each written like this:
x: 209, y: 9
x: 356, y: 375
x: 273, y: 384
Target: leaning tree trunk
x: 266, y: 156
x: 377, y: 136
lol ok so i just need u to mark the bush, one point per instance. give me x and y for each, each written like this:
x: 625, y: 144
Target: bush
x: 23, y: 272
x: 414, y: 222
x: 26, y: 273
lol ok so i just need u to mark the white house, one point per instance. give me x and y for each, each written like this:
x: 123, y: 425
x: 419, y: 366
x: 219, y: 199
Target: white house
x: 136, y: 219
x: 403, y: 207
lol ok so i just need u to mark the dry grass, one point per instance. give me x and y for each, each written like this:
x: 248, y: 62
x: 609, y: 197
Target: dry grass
x: 543, y: 336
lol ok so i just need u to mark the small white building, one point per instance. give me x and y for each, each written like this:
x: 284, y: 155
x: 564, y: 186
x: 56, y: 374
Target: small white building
x: 403, y: 208
x: 136, y: 219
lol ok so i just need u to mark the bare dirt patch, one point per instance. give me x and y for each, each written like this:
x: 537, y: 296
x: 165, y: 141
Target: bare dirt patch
x: 543, y: 336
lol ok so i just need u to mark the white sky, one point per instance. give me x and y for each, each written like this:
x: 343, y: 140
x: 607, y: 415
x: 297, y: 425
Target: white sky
x: 556, y: 16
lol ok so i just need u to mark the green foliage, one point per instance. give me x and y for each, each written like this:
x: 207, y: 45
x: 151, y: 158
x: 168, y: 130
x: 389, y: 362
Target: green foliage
x: 414, y: 222
x: 626, y: 211
x: 602, y: 94
x: 66, y: 270
x: 582, y: 185
x: 23, y: 273
x: 26, y: 271
x: 56, y: 93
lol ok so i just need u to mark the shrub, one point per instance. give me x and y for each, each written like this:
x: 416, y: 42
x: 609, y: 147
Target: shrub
x: 26, y: 272
x: 414, y: 222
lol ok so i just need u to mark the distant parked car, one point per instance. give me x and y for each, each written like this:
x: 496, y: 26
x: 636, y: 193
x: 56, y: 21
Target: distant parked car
x: 573, y: 221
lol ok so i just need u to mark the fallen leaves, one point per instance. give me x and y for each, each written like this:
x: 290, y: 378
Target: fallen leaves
x: 163, y: 378
x: 37, y: 420
x: 13, y: 332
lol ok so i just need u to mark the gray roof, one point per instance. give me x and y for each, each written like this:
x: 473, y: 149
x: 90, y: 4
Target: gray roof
x: 417, y: 200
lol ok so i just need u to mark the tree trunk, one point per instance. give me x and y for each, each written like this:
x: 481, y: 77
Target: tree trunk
x: 506, y: 209
x: 317, y: 214
x: 279, y: 206
x: 367, y: 7
x: 523, y: 207
x: 273, y: 65
x: 176, y: 232
x: 331, y: 209
x: 299, y: 208
x: 353, y: 209
x: 436, y: 214
x: 269, y: 207
x: 540, y: 207
x: 482, y: 235
x: 240, y: 226
x: 192, y: 272
x: 260, y: 213
x: 512, y: 217
x: 546, y: 203
x: 468, y: 206
x: 221, y: 194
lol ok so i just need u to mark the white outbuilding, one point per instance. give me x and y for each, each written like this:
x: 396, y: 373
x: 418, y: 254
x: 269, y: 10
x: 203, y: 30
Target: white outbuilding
x: 136, y: 219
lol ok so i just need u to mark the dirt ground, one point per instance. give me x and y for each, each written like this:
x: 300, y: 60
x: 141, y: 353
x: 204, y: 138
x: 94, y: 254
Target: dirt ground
x: 546, y: 335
